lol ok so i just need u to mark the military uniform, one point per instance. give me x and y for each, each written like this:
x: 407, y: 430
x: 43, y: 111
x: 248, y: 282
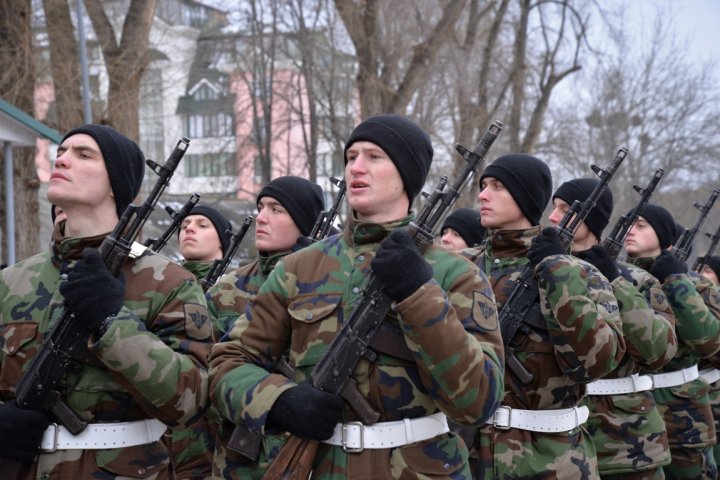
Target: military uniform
x: 227, y: 300
x: 686, y: 406
x: 455, y: 352
x: 582, y: 341
x: 149, y: 363
x: 626, y: 427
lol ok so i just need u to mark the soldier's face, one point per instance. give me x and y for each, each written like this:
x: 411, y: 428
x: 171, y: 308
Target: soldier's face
x: 498, y: 208
x: 375, y: 189
x: 642, y: 241
x: 452, y: 240
x: 199, y: 240
x: 709, y: 273
x: 275, y: 230
x: 79, y: 177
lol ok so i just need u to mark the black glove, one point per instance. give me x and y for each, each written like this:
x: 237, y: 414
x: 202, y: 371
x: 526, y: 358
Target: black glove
x: 91, y: 292
x: 21, y: 431
x: 302, y: 242
x: 665, y: 265
x: 306, y: 412
x: 599, y: 256
x: 544, y: 245
x: 399, y: 265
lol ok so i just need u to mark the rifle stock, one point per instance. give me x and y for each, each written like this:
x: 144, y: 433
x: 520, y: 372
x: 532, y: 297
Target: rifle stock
x: 333, y: 371
x: 40, y: 385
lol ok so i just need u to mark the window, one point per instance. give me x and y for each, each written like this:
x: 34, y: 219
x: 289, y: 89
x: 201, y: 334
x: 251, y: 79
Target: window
x: 205, y: 125
x: 210, y: 165
x: 205, y: 93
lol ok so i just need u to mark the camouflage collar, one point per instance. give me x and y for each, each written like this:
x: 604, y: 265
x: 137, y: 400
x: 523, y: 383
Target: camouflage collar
x: 68, y: 249
x: 510, y: 243
x: 197, y: 268
x: 643, y: 262
x: 359, y: 232
x: 268, y: 262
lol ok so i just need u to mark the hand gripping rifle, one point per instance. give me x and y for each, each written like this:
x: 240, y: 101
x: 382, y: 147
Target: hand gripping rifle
x: 40, y: 387
x: 701, y: 262
x: 219, y: 266
x: 325, y: 220
x: 157, y: 244
x: 333, y: 373
x: 521, y: 310
x: 682, y: 247
x: 614, y: 242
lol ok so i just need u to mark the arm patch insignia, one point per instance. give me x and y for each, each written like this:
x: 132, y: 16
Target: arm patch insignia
x: 484, y: 312
x: 197, y: 322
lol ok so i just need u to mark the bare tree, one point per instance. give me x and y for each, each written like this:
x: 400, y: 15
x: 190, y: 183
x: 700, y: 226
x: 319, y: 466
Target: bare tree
x: 17, y: 80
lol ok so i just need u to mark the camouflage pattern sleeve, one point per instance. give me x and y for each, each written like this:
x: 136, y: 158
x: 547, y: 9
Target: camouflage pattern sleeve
x: 649, y: 333
x: 582, y: 317
x: 456, y: 341
x: 697, y: 327
x: 159, y: 349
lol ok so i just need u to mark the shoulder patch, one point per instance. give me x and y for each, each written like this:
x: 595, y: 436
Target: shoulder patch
x: 197, y: 322
x: 484, y: 312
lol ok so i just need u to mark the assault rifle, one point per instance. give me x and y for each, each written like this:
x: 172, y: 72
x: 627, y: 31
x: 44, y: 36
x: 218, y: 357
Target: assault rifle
x: 333, y: 373
x: 325, y: 220
x: 521, y: 309
x: 40, y: 387
x: 157, y: 244
x: 219, y: 266
x: 701, y: 262
x: 682, y: 247
x: 613, y: 243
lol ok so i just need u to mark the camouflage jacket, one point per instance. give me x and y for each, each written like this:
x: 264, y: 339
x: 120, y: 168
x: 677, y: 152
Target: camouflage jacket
x: 582, y: 342
x: 628, y: 431
x: 449, y: 324
x: 685, y: 408
x: 150, y: 362
x: 199, y: 269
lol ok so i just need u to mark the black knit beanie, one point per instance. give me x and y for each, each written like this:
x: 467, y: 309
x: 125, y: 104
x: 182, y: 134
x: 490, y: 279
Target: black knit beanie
x: 528, y: 179
x: 222, y: 225
x: 466, y: 222
x: 407, y: 145
x: 580, y: 189
x: 124, y: 161
x: 662, y: 222
x: 302, y: 199
x: 713, y: 263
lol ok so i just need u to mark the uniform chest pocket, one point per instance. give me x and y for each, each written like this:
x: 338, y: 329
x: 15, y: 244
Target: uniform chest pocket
x: 18, y: 343
x: 315, y: 321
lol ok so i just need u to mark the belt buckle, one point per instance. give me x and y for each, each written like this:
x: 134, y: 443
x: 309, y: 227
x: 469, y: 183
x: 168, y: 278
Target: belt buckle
x: 347, y: 449
x: 56, y: 433
x: 502, y: 427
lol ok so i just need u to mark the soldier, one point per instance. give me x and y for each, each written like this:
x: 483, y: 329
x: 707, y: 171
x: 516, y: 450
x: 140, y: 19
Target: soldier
x: 145, y: 363
x: 712, y: 270
x: 443, y: 354
x: 462, y: 229
x: 575, y: 338
x: 287, y: 209
x: 204, y: 237
x: 681, y: 396
x: 626, y: 427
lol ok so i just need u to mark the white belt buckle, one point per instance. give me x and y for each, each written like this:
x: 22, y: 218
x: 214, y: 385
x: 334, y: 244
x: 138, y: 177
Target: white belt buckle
x: 56, y: 432
x: 509, y: 418
x: 347, y: 449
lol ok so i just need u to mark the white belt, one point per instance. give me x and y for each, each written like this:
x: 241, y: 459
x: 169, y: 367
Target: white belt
x: 673, y: 379
x: 710, y: 375
x: 98, y: 436
x: 548, y: 421
x: 354, y: 437
x: 617, y: 386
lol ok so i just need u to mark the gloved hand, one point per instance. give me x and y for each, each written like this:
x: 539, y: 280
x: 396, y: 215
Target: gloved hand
x: 544, y: 245
x: 21, y: 431
x: 302, y: 242
x: 306, y: 412
x: 599, y: 256
x: 665, y: 265
x: 399, y: 265
x: 91, y: 292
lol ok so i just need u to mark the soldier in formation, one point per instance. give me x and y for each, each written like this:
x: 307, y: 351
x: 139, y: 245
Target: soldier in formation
x: 445, y: 354
x: 462, y: 229
x: 144, y: 366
